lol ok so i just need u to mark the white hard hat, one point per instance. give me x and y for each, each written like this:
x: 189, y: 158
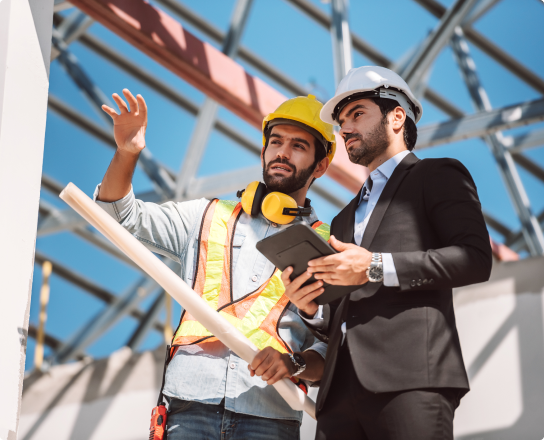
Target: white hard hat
x: 371, y: 82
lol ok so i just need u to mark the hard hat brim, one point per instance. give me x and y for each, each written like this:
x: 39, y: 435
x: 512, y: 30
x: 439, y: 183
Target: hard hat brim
x: 328, y: 109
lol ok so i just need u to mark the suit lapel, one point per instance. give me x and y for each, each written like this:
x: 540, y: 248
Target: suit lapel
x: 348, y: 221
x: 385, y: 198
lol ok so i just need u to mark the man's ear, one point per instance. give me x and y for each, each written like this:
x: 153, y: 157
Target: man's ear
x: 321, y: 167
x: 397, y: 118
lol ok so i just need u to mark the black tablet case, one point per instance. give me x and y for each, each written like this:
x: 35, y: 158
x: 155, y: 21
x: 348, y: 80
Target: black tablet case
x: 295, y: 246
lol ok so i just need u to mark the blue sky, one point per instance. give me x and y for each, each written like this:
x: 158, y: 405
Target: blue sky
x: 284, y: 37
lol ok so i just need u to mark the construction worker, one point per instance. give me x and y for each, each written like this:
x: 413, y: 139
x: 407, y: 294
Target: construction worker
x: 213, y: 393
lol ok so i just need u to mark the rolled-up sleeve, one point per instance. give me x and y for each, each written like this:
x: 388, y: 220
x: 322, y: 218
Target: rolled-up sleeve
x: 319, y: 347
x: 164, y: 228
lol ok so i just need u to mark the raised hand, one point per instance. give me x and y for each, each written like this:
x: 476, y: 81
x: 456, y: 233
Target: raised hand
x: 130, y: 125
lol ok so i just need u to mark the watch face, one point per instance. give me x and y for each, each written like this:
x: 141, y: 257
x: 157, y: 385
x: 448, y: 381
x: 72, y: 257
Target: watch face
x: 300, y: 360
x: 375, y: 273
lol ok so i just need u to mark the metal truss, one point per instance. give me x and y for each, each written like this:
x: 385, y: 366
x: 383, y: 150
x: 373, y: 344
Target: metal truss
x: 487, y: 124
x: 495, y: 141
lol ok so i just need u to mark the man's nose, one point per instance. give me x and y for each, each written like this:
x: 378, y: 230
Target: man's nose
x: 283, y: 152
x: 345, y: 129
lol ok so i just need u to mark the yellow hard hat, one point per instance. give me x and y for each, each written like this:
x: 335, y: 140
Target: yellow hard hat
x: 303, y: 111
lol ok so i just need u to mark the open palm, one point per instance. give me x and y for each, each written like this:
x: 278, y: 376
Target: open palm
x: 130, y: 124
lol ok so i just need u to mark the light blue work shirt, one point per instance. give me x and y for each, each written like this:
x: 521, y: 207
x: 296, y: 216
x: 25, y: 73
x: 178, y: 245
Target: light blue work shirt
x: 209, y: 374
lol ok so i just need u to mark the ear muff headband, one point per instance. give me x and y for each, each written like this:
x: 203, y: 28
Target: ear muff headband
x: 275, y: 206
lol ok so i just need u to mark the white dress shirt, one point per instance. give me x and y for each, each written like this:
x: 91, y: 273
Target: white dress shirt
x: 379, y: 177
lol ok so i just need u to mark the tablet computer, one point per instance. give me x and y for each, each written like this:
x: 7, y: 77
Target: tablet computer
x: 295, y: 246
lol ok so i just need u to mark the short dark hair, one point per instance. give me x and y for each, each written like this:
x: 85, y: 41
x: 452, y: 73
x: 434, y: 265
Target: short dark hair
x: 410, y: 129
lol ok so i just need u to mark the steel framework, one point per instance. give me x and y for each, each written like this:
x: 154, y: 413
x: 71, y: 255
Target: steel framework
x: 227, y: 84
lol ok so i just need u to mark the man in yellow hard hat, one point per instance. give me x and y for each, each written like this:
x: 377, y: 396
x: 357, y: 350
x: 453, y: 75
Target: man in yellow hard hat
x: 210, y: 390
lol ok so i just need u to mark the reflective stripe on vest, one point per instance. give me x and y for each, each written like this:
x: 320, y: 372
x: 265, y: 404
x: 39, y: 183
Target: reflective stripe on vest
x: 257, y: 314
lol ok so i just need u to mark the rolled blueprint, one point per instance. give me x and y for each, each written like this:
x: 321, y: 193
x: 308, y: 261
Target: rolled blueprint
x: 179, y: 290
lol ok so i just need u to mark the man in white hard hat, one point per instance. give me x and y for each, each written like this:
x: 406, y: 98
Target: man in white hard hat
x: 394, y: 368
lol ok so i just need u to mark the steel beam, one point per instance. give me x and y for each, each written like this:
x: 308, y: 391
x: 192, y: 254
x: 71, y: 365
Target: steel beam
x: 500, y: 56
x: 87, y: 285
x: 523, y: 142
x: 203, y: 66
x: 244, y: 54
x: 374, y: 55
x: 205, y: 120
x: 71, y: 28
x: 435, y: 42
x: 479, y: 10
x: 143, y: 328
x: 531, y: 228
x: 103, y: 321
x: 526, y: 163
x: 517, y: 240
x: 481, y: 124
x: 341, y: 39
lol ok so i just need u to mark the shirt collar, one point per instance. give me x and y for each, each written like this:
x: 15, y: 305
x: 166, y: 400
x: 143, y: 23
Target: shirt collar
x: 386, y: 169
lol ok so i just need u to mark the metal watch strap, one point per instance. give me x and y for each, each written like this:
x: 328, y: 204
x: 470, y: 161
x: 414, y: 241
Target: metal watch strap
x: 300, y: 368
x: 376, y: 262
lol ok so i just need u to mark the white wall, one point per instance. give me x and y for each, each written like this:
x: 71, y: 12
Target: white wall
x: 25, y: 45
x: 501, y: 328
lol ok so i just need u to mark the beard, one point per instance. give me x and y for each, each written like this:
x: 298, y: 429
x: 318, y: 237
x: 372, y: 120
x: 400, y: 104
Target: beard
x: 371, y: 146
x: 290, y: 184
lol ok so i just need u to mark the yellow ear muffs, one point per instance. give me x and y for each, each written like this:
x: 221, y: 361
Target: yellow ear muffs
x: 274, y: 205
x: 252, y: 198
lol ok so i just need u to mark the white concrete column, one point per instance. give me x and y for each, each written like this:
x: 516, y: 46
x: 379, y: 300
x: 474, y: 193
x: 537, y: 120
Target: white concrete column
x: 25, y: 48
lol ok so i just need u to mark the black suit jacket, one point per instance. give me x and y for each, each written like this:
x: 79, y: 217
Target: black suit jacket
x: 429, y: 218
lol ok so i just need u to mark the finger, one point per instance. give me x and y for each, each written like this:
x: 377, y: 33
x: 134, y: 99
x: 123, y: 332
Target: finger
x: 133, y: 104
x: 142, y: 106
x: 251, y: 371
x: 271, y: 372
x: 277, y: 377
x: 324, y: 268
x: 285, y: 276
x: 257, y: 360
x: 264, y: 366
x: 316, y: 262
x: 120, y: 103
x: 110, y: 111
x: 300, y: 280
x: 305, y: 298
x: 337, y: 244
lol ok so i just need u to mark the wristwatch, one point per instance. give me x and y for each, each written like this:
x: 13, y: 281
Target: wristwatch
x: 299, y: 362
x: 375, y: 270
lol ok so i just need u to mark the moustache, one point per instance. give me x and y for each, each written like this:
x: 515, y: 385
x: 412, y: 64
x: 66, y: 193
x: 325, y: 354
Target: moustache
x: 283, y: 161
x: 348, y: 136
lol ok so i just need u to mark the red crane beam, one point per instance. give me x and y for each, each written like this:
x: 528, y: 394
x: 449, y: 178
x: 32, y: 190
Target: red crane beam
x: 165, y: 40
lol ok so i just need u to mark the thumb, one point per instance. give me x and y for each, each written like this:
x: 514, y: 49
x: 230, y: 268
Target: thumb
x: 337, y: 244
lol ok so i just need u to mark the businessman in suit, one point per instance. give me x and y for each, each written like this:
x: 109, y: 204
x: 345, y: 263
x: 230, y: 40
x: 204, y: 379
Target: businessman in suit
x: 394, y: 368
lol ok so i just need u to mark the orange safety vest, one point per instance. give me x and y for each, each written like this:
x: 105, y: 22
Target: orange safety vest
x: 257, y: 314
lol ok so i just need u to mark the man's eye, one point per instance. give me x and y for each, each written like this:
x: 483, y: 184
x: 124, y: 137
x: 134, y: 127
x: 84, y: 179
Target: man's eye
x: 358, y: 114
